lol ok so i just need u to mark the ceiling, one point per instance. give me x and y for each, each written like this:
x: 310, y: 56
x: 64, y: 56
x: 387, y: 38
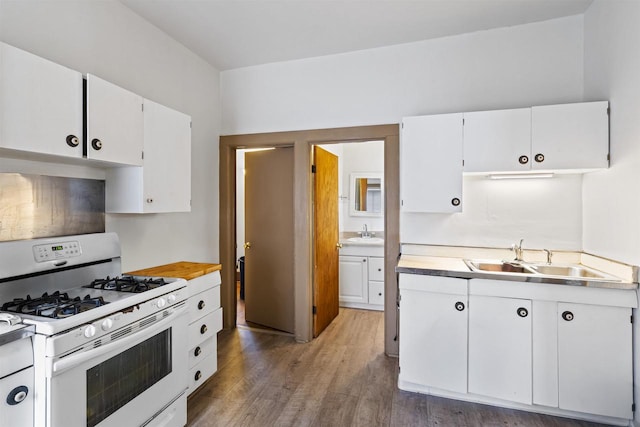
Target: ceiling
x: 239, y: 33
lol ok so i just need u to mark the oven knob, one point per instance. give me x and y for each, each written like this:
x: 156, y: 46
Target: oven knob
x: 171, y: 299
x: 89, y: 331
x: 161, y: 302
x: 106, y: 324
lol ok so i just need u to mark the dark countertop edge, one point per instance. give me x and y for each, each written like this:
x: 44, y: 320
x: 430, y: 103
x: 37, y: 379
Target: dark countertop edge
x: 518, y: 278
x: 17, y: 334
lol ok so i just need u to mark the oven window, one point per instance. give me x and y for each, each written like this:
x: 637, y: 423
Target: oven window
x: 115, y: 382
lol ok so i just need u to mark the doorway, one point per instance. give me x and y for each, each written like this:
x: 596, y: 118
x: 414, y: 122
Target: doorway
x: 302, y: 142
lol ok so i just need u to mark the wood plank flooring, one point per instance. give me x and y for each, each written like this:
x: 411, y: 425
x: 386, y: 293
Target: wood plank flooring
x: 342, y: 378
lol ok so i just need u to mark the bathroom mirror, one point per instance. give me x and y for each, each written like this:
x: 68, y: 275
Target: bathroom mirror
x: 365, y: 194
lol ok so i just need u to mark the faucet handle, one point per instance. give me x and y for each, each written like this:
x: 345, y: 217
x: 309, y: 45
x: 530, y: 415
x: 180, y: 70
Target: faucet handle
x: 549, y: 255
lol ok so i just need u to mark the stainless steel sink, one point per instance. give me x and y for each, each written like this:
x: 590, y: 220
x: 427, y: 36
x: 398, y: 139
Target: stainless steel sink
x: 573, y: 271
x: 498, y: 266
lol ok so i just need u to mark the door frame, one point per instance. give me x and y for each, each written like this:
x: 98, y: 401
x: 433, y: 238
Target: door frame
x: 302, y: 142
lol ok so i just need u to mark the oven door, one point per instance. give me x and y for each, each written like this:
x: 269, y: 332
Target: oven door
x: 127, y: 382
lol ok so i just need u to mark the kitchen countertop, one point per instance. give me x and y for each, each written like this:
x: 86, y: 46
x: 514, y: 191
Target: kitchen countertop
x: 456, y: 267
x: 182, y: 269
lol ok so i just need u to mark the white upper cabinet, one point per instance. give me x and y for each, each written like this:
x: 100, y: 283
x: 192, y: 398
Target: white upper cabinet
x: 40, y: 105
x: 431, y: 163
x: 163, y: 183
x: 570, y: 136
x: 497, y: 140
x: 114, y: 123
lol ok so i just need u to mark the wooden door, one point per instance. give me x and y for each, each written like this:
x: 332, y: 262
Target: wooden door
x: 326, y: 239
x: 269, y: 233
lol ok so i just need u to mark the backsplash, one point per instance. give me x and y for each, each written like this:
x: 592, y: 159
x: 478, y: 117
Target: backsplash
x: 33, y: 206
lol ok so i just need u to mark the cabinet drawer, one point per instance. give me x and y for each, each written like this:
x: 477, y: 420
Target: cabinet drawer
x: 204, y: 328
x: 204, y: 303
x: 202, y: 350
x: 376, y: 269
x: 202, y: 371
x: 376, y: 293
x: 202, y: 283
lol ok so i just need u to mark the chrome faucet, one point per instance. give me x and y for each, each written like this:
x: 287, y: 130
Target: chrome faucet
x: 365, y: 231
x: 517, y: 248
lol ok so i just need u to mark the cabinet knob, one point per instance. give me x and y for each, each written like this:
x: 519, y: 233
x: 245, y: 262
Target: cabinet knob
x: 203, y: 329
x: 568, y: 316
x: 72, y: 141
x: 523, y: 160
x: 459, y: 306
x: 523, y: 312
x: 539, y: 157
x: 197, y: 351
x: 379, y: 269
x: 198, y: 375
x: 149, y: 200
x: 201, y: 305
x: 455, y: 201
x: 96, y: 144
x: 364, y: 260
x: 379, y: 294
x: 17, y: 395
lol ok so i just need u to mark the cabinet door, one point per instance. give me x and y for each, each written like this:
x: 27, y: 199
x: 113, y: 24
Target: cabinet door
x: 40, y: 105
x: 433, y: 339
x: 167, y: 159
x: 497, y: 140
x: 376, y: 293
x: 570, y: 136
x: 376, y: 268
x: 353, y: 279
x: 431, y: 163
x: 500, y: 348
x: 595, y: 359
x: 114, y: 123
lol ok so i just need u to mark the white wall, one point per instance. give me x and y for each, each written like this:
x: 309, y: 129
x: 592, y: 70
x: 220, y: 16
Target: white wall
x: 611, y: 201
x: 526, y: 65
x: 360, y: 157
x: 107, y: 39
x: 612, y: 70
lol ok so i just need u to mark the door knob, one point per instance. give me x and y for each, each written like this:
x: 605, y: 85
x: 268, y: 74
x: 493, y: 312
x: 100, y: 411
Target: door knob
x: 339, y: 245
x: 247, y: 245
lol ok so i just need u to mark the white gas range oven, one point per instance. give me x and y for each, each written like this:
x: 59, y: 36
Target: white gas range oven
x: 108, y: 349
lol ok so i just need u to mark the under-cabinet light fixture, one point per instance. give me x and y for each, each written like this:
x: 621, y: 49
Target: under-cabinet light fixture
x: 520, y: 175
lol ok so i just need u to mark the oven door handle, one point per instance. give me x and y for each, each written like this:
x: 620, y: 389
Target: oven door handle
x: 140, y: 335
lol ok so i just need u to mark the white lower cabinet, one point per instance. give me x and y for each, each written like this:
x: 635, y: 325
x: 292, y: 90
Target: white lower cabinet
x: 362, y: 282
x: 205, y: 320
x: 595, y: 359
x: 433, y: 332
x: 519, y: 345
x: 500, y: 348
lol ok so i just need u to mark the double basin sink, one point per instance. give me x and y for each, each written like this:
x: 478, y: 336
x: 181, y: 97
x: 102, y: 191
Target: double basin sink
x: 556, y: 271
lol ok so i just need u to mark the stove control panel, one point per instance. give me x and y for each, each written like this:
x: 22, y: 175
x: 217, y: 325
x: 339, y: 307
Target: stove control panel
x: 55, y: 251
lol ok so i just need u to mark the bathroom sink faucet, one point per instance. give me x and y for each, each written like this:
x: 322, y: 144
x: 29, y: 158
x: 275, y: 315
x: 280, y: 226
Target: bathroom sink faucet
x: 517, y: 248
x: 365, y: 232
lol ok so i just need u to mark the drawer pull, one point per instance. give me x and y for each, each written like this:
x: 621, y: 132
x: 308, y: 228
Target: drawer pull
x: 379, y: 294
x: 568, y: 316
x: 379, y: 269
x: 203, y: 329
x: 197, y: 376
x: 523, y: 312
x: 197, y: 351
x: 459, y: 306
x: 17, y: 395
x: 201, y: 305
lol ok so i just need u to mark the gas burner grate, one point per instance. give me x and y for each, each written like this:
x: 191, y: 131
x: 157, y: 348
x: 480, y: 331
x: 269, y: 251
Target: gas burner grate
x: 127, y: 284
x: 57, y: 305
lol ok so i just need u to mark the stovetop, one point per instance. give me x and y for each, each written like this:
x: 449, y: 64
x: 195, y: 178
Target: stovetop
x: 59, y: 311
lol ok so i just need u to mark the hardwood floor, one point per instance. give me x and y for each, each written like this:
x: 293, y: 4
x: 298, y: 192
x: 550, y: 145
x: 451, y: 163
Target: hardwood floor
x: 342, y: 378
